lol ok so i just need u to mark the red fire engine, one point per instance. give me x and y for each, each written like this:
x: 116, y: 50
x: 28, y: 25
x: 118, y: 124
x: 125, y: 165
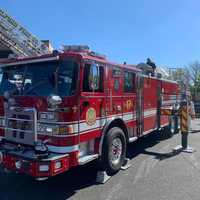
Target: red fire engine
x: 69, y: 108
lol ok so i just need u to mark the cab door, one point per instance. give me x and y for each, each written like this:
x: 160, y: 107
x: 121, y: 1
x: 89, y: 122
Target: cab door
x: 92, y: 102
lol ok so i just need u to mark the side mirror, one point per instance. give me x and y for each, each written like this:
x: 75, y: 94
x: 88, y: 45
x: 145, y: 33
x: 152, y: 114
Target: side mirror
x: 94, y: 77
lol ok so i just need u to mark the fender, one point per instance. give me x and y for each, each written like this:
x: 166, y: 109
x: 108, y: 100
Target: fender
x: 111, y: 123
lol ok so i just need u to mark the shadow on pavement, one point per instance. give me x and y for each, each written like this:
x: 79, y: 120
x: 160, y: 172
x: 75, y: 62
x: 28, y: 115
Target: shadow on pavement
x: 161, y: 156
x: 144, y: 143
x: 194, y: 131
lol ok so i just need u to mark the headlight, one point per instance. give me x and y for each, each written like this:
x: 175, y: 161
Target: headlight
x: 52, y: 116
x: 48, y: 129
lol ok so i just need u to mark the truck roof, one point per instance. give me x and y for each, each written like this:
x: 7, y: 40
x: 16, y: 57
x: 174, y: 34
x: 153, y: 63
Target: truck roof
x: 53, y: 56
x: 56, y: 55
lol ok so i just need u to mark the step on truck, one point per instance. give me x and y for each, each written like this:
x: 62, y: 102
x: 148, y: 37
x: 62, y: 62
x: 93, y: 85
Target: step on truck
x: 65, y: 109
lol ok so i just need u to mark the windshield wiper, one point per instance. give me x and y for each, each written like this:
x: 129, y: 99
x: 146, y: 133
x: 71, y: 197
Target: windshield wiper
x: 34, y: 86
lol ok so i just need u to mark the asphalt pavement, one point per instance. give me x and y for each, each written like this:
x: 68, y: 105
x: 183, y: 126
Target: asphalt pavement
x: 156, y: 173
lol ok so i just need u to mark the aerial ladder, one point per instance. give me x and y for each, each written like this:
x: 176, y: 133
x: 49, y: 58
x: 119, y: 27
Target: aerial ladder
x: 20, y: 41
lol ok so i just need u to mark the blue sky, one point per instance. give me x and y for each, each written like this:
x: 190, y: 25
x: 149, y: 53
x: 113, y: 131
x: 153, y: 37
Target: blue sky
x: 168, y: 31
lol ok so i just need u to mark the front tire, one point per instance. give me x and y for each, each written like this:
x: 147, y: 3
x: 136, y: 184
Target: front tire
x: 114, y: 150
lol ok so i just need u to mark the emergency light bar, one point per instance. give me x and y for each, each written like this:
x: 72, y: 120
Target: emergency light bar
x: 84, y: 48
x: 76, y: 47
x: 29, y: 61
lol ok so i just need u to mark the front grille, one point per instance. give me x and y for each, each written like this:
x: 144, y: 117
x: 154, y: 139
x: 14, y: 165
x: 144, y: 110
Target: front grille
x: 20, y: 125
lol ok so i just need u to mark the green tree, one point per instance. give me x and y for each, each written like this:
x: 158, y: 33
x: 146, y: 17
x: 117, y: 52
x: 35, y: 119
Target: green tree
x: 181, y: 75
x: 194, y: 75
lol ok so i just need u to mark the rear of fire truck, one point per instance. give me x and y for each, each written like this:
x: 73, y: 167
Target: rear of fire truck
x: 36, y: 95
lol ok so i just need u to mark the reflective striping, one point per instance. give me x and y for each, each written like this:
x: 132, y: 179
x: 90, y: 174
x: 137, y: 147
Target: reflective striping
x: 99, y: 123
x: 168, y: 99
x: 95, y: 129
x: 150, y: 112
x: 170, y: 96
x: 184, y: 120
x: 166, y: 124
x: 184, y: 114
x: 167, y: 102
x: 129, y: 116
x: 82, y: 127
x: 67, y: 149
x: 166, y: 112
x: 102, y: 121
x: 148, y: 131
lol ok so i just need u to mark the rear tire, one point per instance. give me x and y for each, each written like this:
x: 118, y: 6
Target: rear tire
x: 177, y: 124
x: 114, y: 151
x: 172, y: 125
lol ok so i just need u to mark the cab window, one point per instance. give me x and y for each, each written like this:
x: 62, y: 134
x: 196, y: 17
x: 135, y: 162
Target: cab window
x: 93, y: 78
x: 129, y: 85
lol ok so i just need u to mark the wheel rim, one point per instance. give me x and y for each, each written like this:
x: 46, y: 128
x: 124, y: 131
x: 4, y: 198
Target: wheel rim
x: 115, y: 151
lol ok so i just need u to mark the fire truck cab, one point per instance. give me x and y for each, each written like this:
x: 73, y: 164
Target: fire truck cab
x: 68, y: 108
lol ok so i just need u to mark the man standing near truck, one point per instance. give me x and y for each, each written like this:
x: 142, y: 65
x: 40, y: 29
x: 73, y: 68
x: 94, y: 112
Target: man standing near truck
x: 191, y: 111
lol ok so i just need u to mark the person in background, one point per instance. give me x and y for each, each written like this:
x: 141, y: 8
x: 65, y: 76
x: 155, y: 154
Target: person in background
x: 152, y: 64
x: 191, y: 111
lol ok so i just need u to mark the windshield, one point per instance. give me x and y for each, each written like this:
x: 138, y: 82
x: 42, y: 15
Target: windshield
x: 40, y: 79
